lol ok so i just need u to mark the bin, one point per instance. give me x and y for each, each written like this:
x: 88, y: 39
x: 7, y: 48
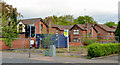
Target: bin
x: 52, y: 50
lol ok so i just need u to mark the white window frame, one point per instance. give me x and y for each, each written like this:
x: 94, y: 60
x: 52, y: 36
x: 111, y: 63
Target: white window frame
x: 75, y: 40
x: 56, y: 31
x: 75, y: 31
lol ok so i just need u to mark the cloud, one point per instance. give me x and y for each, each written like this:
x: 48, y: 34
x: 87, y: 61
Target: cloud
x: 42, y: 8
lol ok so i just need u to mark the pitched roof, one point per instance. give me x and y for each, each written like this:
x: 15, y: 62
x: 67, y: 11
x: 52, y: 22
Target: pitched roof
x: 30, y: 21
x: 113, y: 27
x: 62, y: 27
x: 106, y: 28
x: 81, y: 26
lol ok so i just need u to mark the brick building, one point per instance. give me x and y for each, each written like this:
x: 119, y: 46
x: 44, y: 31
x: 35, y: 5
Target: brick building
x: 80, y: 30
x: 104, y: 31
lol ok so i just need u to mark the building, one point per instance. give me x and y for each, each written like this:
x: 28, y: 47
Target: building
x: 81, y: 30
x: 41, y: 27
x: 104, y: 31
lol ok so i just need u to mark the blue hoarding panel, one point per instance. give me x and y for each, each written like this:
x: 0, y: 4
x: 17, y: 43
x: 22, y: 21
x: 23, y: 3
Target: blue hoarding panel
x: 59, y: 40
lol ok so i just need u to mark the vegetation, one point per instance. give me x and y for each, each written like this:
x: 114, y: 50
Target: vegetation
x: 117, y: 32
x: 9, y: 22
x: 70, y: 20
x: 84, y: 19
x: 88, y: 41
x: 97, y: 50
x: 110, y: 24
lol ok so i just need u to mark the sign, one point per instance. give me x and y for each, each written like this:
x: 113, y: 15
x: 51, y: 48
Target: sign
x: 66, y: 33
x: 31, y: 42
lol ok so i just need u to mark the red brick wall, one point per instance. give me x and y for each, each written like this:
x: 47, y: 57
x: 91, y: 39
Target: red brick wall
x: 75, y: 36
x: 18, y: 43
x: 43, y: 30
x: 3, y: 46
x: 102, y: 33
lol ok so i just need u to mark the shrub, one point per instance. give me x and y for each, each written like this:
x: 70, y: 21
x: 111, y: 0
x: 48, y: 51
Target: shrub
x: 89, y: 41
x: 97, y: 50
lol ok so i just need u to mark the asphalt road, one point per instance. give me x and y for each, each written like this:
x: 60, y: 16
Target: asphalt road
x: 15, y: 60
x: 11, y: 57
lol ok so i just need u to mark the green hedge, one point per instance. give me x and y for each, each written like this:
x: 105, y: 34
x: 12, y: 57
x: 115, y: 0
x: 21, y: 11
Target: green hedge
x: 97, y: 50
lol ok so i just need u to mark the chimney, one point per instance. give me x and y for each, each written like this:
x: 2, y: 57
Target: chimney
x: 92, y: 24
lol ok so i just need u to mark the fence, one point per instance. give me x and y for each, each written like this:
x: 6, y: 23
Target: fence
x: 58, y: 40
x: 17, y: 43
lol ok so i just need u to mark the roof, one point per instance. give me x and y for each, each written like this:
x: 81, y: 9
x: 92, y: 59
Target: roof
x: 81, y: 26
x: 32, y: 21
x: 113, y: 27
x: 106, y: 28
x: 62, y: 27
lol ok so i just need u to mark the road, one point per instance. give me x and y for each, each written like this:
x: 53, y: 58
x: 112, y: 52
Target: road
x: 12, y: 57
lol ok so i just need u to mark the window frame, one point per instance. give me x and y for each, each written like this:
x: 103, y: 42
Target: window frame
x: 56, y: 31
x: 76, y: 31
x: 75, y: 40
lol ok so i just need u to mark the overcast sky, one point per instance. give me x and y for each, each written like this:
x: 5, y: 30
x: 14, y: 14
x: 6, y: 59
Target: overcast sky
x: 101, y: 10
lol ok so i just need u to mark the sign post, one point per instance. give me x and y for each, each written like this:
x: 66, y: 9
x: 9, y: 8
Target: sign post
x: 30, y: 43
x: 67, y: 35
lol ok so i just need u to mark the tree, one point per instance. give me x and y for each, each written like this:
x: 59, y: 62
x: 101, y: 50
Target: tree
x: 117, y: 32
x: 84, y: 19
x: 63, y: 20
x: 110, y: 23
x: 48, y: 38
x: 9, y: 22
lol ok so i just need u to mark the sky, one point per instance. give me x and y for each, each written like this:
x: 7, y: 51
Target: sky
x: 101, y: 10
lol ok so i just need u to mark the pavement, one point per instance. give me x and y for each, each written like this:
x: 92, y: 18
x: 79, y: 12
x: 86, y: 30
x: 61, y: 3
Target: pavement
x: 13, y: 57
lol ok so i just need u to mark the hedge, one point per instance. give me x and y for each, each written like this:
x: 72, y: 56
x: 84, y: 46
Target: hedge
x: 97, y: 50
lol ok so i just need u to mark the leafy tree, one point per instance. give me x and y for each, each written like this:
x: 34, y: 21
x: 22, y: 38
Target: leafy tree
x: 48, y: 38
x: 9, y: 22
x: 63, y: 20
x: 110, y: 23
x: 117, y: 32
x: 84, y: 19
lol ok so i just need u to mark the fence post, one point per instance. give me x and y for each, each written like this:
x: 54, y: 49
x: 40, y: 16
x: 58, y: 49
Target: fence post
x: 80, y: 47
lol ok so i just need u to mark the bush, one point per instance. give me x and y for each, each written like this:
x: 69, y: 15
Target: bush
x: 97, y: 50
x: 89, y: 41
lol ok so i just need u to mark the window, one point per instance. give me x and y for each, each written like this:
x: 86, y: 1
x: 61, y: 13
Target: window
x: 75, y: 40
x: 56, y: 31
x: 41, y: 26
x: 20, y: 27
x: 90, y: 32
x: 109, y: 33
x: 76, y: 31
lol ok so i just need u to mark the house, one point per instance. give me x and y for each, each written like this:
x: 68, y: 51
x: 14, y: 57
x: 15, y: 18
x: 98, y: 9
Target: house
x: 81, y: 30
x: 56, y: 29
x: 104, y: 31
x: 41, y: 27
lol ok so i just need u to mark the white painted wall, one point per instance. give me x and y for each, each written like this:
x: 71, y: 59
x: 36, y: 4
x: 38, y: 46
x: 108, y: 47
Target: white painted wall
x: 23, y: 29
